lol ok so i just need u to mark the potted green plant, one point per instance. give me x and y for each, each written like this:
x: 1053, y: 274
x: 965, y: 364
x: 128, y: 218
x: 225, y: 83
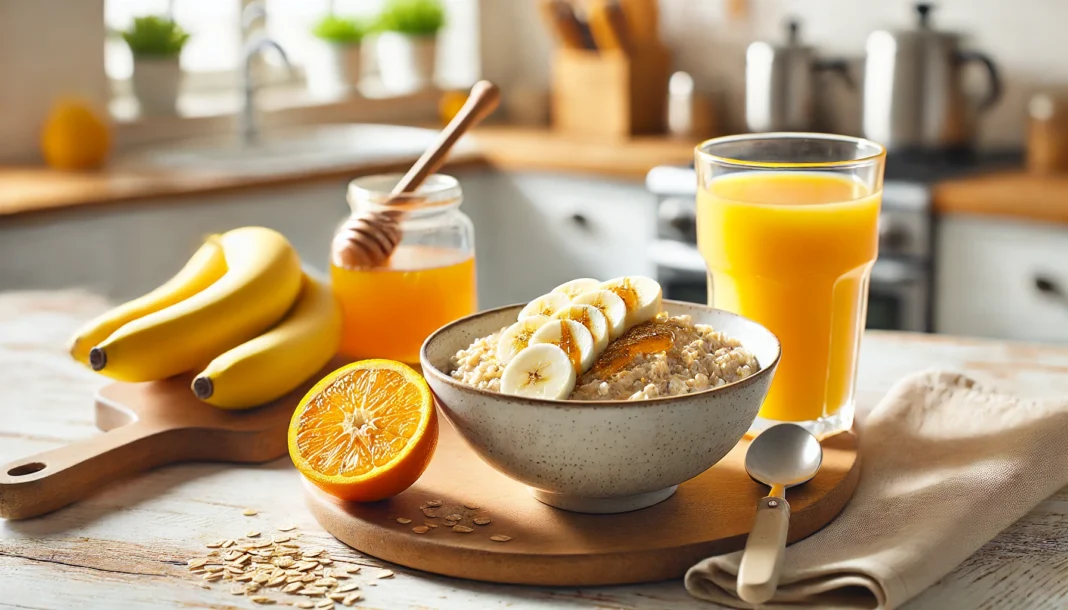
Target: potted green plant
x: 406, y: 46
x: 156, y: 43
x: 336, y: 68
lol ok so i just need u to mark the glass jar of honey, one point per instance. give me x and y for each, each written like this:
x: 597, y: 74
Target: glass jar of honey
x: 427, y: 282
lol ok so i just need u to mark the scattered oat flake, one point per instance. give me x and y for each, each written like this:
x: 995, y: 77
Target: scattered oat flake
x: 420, y: 529
x: 463, y: 529
x: 287, y: 527
x: 471, y: 506
x: 305, y: 604
x: 351, y: 599
x: 250, y: 512
x: 204, y: 586
x: 244, y: 578
x: 434, y: 503
x: 352, y: 569
x: 454, y: 517
x: 403, y: 520
x: 259, y: 599
x: 337, y: 596
x: 293, y: 587
x: 312, y: 590
x: 252, y: 534
x: 430, y: 524
x: 326, y: 561
x: 213, y: 577
x: 214, y: 568
x: 429, y: 512
x: 345, y: 588
x: 214, y: 545
x: 481, y: 520
x: 326, y: 603
x: 385, y: 574
x: 237, y: 590
x: 500, y: 538
x: 196, y: 563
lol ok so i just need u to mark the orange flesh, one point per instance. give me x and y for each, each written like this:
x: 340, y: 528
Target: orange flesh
x: 358, y: 423
x: 647, y: 338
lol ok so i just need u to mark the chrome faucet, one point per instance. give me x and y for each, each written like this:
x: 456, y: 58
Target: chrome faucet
x: 249, y: 125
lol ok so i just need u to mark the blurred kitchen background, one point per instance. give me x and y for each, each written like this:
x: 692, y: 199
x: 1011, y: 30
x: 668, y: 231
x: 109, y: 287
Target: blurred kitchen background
x: 122, y: 142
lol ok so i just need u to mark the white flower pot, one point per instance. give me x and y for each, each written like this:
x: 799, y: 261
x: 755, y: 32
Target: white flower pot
x: 406, y: 63
x: 155, y: 83
x: 333, y: 69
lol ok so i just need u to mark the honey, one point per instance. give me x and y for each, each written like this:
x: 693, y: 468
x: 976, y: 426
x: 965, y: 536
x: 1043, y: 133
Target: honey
x: 648, y: 338
x: 389, y: 311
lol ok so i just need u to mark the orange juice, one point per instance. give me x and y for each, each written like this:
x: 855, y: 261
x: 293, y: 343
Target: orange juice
x: 793, y: 250
x: 388, y: 312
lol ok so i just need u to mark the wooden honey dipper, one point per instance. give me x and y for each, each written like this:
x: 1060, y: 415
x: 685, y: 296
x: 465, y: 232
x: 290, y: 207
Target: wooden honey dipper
x: 368, y: 239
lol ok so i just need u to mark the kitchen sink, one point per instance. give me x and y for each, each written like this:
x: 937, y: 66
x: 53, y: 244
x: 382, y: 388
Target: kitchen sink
x: 288, y: 150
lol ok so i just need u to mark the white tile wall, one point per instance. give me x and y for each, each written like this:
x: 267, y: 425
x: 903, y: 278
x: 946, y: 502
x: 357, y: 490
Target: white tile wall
x: 1027, y: 38
x: 48, y: 49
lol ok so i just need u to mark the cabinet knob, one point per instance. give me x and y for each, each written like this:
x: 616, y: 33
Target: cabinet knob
x: 1049, y: 287
x: 580, y: 220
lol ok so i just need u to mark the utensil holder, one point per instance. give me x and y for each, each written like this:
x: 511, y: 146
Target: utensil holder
x: 610, y: 94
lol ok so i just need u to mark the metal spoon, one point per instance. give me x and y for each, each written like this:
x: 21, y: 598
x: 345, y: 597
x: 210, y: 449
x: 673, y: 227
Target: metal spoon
x: 782, y: 456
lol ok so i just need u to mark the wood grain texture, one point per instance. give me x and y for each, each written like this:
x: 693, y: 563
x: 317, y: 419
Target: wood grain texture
x: 708, y: 515
x: 146, y: 425
x: 122, y: 547
x: 1009, y: 194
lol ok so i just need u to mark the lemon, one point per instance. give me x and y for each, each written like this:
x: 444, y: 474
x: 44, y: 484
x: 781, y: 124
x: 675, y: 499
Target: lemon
x: 74, y: 137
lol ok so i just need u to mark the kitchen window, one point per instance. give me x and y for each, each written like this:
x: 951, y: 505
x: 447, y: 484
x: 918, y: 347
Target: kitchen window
x: 212, y: 58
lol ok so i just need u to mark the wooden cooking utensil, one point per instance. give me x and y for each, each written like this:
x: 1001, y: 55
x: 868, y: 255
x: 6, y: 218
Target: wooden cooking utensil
x: 643, y: 20
x: 146, y: 425
x: 560, y: 19
x: 607, y: 25
x: 368, y: 239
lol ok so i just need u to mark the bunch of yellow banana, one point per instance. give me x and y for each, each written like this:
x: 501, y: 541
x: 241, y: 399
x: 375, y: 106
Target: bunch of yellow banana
x: 241, y: 306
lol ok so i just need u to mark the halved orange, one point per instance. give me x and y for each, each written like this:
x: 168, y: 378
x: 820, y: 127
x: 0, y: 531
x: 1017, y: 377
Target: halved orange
x: 366, y: 431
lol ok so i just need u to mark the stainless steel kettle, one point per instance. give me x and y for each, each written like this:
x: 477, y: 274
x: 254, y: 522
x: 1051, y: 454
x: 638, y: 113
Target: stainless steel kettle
x: 780, y: 84
x: 914, y: 94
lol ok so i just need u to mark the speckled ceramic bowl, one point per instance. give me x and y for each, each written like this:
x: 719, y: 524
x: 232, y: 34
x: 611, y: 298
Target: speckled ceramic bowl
x: 606, y: 456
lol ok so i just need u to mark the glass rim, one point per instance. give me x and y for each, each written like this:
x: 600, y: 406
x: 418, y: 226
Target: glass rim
x: 701, y: 152
x: 374, y: 190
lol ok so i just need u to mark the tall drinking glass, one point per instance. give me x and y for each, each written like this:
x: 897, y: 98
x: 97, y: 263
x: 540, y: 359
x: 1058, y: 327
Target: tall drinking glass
x: 788, y: 226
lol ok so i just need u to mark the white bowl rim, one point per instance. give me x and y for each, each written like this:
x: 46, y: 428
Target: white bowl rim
x: 430, y: 369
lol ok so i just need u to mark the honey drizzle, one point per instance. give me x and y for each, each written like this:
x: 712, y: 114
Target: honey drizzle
x: 627, y: 293
x: 570, y: 346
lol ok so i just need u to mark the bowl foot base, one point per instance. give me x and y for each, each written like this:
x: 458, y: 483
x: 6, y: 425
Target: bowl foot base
x: 621, y: 504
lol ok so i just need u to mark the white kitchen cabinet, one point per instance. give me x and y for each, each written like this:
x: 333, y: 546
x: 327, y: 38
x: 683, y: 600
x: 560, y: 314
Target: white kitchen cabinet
x: 532, y: 232
x: 986, y: 271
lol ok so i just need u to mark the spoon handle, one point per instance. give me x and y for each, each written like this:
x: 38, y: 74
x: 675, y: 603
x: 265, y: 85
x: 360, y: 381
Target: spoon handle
x: 758, y: 575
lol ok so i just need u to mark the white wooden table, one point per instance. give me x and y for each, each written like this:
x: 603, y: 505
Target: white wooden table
x: 125, y: 547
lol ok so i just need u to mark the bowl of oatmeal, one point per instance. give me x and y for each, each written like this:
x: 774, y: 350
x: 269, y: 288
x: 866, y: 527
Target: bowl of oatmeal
x: 635, y: 425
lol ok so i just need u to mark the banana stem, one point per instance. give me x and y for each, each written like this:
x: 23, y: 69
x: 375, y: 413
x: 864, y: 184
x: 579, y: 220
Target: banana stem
x: 203, y: 388
x: 97, y: 358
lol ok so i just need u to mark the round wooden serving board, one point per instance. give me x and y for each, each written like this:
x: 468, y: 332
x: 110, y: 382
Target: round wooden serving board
x: 708, y: 515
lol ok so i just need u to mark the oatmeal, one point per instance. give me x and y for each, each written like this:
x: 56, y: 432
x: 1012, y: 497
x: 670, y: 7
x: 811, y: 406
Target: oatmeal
x: 681, y: 358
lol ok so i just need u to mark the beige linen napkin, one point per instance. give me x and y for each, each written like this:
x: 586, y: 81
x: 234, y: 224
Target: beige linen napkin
x: 946, y: 464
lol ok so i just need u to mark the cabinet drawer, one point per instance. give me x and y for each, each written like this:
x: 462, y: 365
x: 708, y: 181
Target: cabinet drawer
x: 995, y: 278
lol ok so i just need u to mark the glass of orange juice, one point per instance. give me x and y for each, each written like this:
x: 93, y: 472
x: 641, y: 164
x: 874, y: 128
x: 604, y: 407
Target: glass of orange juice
x: 429, y: 281
x: 788, y: 226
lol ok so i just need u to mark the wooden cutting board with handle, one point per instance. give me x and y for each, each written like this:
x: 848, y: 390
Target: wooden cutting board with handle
x: 146, y: 425
x: 708, y: 515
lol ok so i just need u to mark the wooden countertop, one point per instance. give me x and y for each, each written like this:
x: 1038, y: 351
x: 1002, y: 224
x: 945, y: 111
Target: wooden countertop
x: 1006, y: 194
x: 125, y: 547
x: 31, y: 189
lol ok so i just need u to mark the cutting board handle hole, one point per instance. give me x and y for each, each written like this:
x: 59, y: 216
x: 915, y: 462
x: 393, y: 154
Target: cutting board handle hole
x: 25, y: 469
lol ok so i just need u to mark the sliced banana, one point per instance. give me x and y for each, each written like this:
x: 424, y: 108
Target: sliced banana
x: 545, y: 305
x: 570, y: 336
x: 516, y: 337
x: 640, y: 294
x: 609, y: 304
x: 539, y: 371
x: 576, y: 287
x: 590, y: 317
